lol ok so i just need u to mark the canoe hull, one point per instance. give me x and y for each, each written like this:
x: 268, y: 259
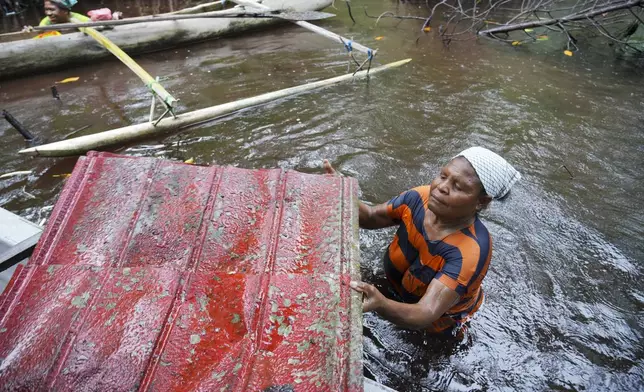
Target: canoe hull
x: 31, y: 56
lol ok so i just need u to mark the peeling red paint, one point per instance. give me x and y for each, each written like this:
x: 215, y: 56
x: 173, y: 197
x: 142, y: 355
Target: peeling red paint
x: 155, y: 275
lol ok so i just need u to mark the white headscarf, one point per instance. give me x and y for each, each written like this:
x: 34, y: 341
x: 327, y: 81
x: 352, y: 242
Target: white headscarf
x: 495, y: 173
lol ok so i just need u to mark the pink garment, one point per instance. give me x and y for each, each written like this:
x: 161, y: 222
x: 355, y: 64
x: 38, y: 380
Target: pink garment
x: 100, y: 14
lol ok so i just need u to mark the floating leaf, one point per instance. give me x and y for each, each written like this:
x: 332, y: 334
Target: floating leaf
x: 542, y: 38
x: 69, y: 80
x: 427, y: 29
x: 567, y: 53
x: 189, y: 161
x: 528, y: 30
x: 379, y: 38
x: 516, y: 43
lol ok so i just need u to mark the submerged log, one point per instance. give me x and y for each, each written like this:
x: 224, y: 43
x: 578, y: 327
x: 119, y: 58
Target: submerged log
x: 82, y: 144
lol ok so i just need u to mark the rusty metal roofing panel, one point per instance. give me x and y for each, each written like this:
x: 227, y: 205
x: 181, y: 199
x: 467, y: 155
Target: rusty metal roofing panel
x: 161, y: 276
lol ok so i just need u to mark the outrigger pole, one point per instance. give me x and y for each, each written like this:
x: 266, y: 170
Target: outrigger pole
x: 156, y: 88
x: 348, y: 44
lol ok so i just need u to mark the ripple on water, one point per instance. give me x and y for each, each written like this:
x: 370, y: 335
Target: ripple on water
x: 563, y: 295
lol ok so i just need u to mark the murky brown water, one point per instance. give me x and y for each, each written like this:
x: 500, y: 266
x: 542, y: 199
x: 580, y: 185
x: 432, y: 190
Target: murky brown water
x: 564, y: 299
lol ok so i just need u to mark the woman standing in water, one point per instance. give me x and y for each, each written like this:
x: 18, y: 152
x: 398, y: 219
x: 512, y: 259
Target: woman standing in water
x: 441, y: 252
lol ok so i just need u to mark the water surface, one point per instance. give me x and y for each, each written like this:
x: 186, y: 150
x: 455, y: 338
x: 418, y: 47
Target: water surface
x: 564, y: 300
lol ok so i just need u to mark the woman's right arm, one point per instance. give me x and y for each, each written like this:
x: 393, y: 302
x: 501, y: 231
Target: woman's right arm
x: 374, y: 217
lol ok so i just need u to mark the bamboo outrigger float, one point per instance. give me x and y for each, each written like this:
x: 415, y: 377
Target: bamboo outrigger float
x: 80, y: 145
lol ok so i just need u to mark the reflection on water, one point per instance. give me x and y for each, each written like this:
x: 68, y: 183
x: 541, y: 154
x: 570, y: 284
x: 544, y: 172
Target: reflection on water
x: 564, y: 304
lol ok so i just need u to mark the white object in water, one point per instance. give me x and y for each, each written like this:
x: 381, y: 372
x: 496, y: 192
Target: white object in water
x: 16, y: 173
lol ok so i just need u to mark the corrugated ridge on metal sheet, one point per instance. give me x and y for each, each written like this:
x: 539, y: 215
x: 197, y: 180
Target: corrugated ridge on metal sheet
x: 162, y: 276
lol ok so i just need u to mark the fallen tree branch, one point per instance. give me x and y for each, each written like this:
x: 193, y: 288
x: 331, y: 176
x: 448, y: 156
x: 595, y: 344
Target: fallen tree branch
x: 602, y: 30
x: 389, y: 14
x: 636, y: 17
x: 555, y: 21
x: 349, y: 8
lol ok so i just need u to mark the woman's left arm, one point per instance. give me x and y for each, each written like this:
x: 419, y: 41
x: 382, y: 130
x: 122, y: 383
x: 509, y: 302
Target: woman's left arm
x: 437, y: 300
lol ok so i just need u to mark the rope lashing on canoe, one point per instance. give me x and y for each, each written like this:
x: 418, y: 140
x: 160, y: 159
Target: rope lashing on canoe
x: 168, y: 105
x: 152, y: 85
x: 348, y: 46
x: 370, y: 55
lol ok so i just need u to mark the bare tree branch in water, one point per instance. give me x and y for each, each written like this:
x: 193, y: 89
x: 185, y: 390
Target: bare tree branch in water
x: 502, y: 20
x: 389, y: 14
x: 348, y: 2
x: 560, y: 21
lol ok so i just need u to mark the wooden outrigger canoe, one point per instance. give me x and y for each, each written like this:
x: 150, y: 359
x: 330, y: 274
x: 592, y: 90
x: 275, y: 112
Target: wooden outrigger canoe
x: 31, y: 56
x: 250, y: 7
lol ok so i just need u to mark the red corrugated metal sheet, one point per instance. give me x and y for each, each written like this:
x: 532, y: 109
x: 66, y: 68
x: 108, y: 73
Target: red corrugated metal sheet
x: 162, y: 276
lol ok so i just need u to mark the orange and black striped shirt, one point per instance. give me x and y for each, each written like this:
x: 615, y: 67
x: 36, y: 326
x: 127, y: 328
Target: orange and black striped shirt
x: 460, y: 260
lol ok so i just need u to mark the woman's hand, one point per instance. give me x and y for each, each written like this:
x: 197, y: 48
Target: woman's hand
x: 373, y: 298
x: 328, y: 169
x: 369, y: 217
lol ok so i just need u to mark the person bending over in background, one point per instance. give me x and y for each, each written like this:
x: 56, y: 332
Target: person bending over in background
x: 60, y: 11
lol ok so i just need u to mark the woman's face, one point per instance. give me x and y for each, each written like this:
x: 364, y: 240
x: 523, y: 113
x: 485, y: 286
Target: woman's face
x: 456, y: 193
x: 55, y: 13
